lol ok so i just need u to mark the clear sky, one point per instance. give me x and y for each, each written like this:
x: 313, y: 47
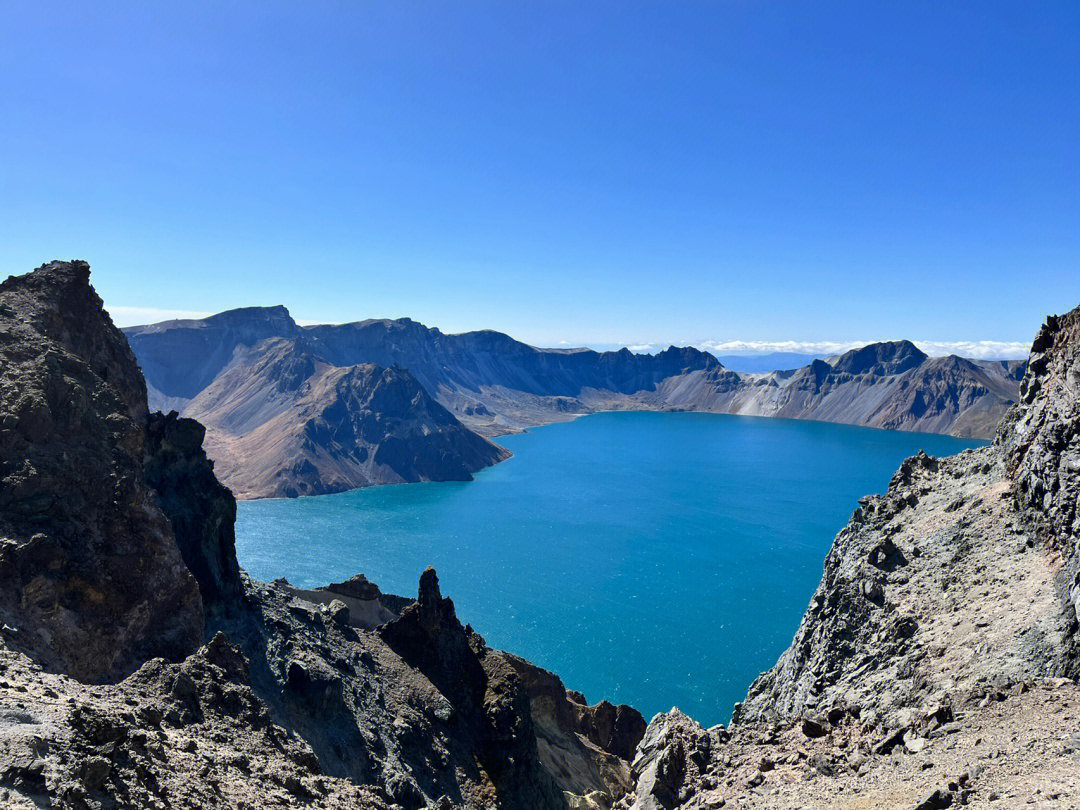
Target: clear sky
x: 581, y: 172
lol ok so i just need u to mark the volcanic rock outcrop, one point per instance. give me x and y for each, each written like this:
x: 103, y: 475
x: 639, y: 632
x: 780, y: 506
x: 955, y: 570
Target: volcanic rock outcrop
x: 91, y: 579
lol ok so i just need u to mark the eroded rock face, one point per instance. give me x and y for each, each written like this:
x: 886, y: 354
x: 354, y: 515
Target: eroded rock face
x: 1042, y: 439
x: 963, y: 575
x: 202, y: 512
x: 91, y: 578
x: 588, y: 748
x: 489, y: 703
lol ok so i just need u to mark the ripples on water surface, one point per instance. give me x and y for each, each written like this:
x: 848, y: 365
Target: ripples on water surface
x: 656, y: 559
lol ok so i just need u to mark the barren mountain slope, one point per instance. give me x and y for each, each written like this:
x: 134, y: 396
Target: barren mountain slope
x: 282, y: 422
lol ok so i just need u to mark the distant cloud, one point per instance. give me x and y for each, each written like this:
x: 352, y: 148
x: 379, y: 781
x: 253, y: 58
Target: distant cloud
x: 978, y: 349
x: 137, y: 316
x: 643, y: 348
x: 824, y: 347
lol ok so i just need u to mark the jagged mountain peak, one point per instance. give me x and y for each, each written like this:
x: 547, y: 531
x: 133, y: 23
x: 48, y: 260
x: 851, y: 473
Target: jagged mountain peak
x: 887, y: 357
x: 58, y: 301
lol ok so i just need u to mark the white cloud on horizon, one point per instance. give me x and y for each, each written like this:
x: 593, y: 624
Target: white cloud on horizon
x: 978, y: 349
x: 975, y: 349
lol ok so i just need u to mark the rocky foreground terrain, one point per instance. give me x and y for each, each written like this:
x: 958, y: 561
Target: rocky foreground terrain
x: 139, y: 667
x: 266, y: 390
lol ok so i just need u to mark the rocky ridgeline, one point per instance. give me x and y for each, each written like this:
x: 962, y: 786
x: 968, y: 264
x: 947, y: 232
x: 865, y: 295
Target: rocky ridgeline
x: 293, y: 410
x: 139, y: 667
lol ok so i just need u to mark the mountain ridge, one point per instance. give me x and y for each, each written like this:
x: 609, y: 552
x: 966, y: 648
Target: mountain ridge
x: 494, y: 384
x: 282, y: 422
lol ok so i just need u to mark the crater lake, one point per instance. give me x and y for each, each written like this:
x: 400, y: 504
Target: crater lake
x: 655, y: 559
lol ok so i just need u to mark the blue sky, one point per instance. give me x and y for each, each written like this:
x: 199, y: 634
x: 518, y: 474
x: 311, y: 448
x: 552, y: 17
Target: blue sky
x: 591, y: 173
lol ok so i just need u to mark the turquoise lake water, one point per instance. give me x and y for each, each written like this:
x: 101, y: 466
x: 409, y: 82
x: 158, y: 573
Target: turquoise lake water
x: 656, y: 559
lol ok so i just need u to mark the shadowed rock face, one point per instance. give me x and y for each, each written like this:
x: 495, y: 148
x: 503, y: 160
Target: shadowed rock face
x: 490, y: 704
x: 90, y: 573
x: 585, y: 746
x: 202, y: 512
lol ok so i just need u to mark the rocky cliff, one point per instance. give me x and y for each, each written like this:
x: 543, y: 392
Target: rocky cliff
x: 139, y: 667
x: 91, y: 577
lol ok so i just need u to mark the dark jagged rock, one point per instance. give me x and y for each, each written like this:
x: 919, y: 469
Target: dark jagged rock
x: 671, y: 762
x: 89, y: 567
x: 430, y: 638
x: 202, y: 512
x: 487, y: 697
